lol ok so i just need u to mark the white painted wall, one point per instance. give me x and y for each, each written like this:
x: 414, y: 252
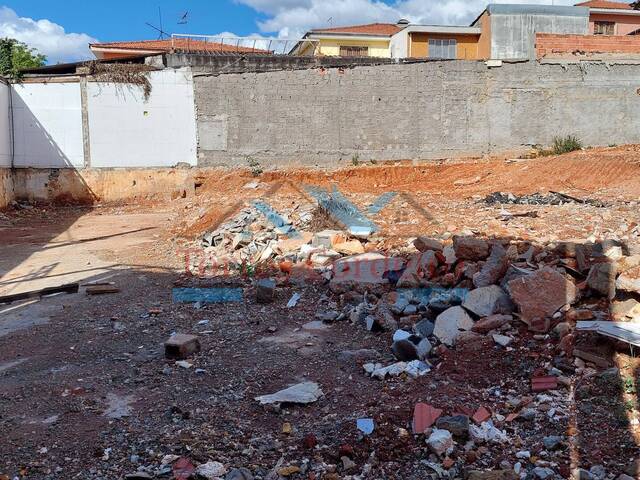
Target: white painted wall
x: 127, y: 131
x: 47, y: 125
x: 5, y: 127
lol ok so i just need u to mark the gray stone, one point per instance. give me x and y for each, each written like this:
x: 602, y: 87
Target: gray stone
x: 306, y: 392
x: 485, y: 301
x: 494, y: 268
x: 423, y: 348
x: 598, y: 472
x: 602, y: 279
x: 458, y: 425
x: 629, y: 281
x: 552, y: 442
x: 543, y: 473
x: 440, y: 441
x: 239, y: 474
x: 265, y: 290
x: 241, y: 239
x: 581, y: 474
x: 180, y: 346
x: 404, y: 350
x: 470, y: 248
x: 424, y: 328
x: 449, y: 324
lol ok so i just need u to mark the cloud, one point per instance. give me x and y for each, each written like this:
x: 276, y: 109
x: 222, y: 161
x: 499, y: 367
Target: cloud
x: 47, y: 37
x: 293, y: 18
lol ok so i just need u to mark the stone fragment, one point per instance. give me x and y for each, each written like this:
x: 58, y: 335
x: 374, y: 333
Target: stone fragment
x: 458, y: 425
x: 602, y: 279
x: 539, y: 295
x: 306, y: 392
x: 485, y: 301
x: 502, y: 340
x: 211, y: 470
x: 629, y: 281
x: 470, y: 248
x: 352, y: 247
x: 239, y: 474
x: 449, y: 324
x: 481, y: 415
x: 492, y: 322
x: 552, y: 442
x: 265, y: 290
x: 365, y: 268
x: 241, y: 239
x: 494, y: 268
x: 424, y: 416
x: 424, y: 328
x: 440, y: 441
x: 180, y: 346
x: 543, y: 473
x: 422, y: 265
x: 424, y: 244
x: 625, y: 310
x: 328, y: 238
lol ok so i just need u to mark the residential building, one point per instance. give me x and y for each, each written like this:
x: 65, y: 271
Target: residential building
x: 370, y: 40
x: 612, y: 18
x: 114, y: 50
x: 436, y: 41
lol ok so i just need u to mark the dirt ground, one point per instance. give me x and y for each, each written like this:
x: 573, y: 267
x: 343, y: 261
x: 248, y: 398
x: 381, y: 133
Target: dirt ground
x: 86, y: 392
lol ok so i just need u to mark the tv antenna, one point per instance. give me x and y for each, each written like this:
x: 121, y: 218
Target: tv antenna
x: 183, y: 18
x: 161, y: 33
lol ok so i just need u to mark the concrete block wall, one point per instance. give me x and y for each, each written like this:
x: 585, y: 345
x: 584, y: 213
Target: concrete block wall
x: 6, y: 178
x: 430, y: 110
x: 552, y: 45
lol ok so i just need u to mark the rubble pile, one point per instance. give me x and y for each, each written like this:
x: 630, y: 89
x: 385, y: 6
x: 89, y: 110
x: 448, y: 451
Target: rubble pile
x: 551, y: 198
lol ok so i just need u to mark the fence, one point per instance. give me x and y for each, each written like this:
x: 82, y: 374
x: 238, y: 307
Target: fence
x: 219, y: 45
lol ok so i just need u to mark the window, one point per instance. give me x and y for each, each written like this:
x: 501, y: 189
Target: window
x: 442, y: 48
x: 354, y: 51
x: 604, y: 28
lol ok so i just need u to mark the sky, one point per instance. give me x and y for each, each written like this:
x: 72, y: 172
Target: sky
x: 62, y: 29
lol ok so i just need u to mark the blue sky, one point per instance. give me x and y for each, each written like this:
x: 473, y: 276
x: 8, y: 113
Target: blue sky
x: 62, y: 29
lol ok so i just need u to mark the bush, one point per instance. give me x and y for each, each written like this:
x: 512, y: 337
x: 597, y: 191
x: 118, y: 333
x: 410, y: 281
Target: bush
x: 566, y: 144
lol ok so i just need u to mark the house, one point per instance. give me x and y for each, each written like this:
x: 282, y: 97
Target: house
x: 436, y: 41
x: 113, y: 50
x: 612, y: 18
x: 370, y: 40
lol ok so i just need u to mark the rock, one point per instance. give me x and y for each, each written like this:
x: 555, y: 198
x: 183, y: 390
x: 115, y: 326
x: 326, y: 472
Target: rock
x: 241, y: 239
x: 404, y: 350
x: 265, y: 290
x: 540, y: 294
x: 425, y: 244
x: 487, y: 432
x: 602, y: 279
x: 422, y: 265
x: 502, y: 340
x: 352, y: 247
x: 306, y: 392
x: 492, y: 322
x: 598, y: 472
x: 470, y: 248
x: 624, y: 476
x: 623, y: 310
x: 458, y: 425
x: 180, y: 346
x: 494, y: 268
x: 138, y: 476
x: 627, y: 263
x: 629, y: 281
x: 392, y: 370
x: 543, y: 473
x: 239, y: 474
x: 562, y: 329
x: 552, y: 442
x: 211, y: 470
x: 347, y: 463
x: 328, y: 238
x: 449, y: 324
x: 424, y: 328
x: 581, y: 474
x: 440, y: 441
x: 485, y: 301
x: 292, y: 245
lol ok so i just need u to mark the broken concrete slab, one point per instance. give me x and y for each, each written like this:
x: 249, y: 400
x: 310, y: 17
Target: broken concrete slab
x: 485, y: 301
x: 328, y: 238
x: 352, y: 247
x: 303, y: 393
x: 207, y: 295
x: 629, y: 281
x: 540, y: 294
x: 450, y: 323
x: 181, y: 346
x: 625, y: 310
x: 365, y: 268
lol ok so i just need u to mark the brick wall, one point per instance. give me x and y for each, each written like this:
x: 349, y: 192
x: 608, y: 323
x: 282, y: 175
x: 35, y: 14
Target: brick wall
x: 554, y: 45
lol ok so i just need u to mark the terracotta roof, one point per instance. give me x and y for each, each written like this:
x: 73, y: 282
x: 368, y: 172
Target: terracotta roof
x: 605, y: 4
x: 178, y: 44
x: 383, y: 29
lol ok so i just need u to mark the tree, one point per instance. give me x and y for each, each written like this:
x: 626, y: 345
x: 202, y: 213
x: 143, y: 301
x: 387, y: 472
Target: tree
x: 635, y: 5
x: 16, y: 56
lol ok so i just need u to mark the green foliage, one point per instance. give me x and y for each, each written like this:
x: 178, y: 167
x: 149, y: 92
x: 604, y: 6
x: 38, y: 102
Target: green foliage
x: 629, y: 385
x: 16, y: 56
x: 355, y: 160
x: 256, y: 168
x: 566, y: 144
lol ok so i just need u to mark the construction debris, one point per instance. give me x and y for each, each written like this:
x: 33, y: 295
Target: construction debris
x: 306, y: 392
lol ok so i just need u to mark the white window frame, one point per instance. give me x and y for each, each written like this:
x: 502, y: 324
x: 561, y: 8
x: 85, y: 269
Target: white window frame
x: 443, y: 48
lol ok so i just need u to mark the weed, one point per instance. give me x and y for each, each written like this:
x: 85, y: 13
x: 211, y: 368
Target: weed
x: 566, y: 144
x: 254, y: 165
x: 629, y: 385
x: 355, y: 160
